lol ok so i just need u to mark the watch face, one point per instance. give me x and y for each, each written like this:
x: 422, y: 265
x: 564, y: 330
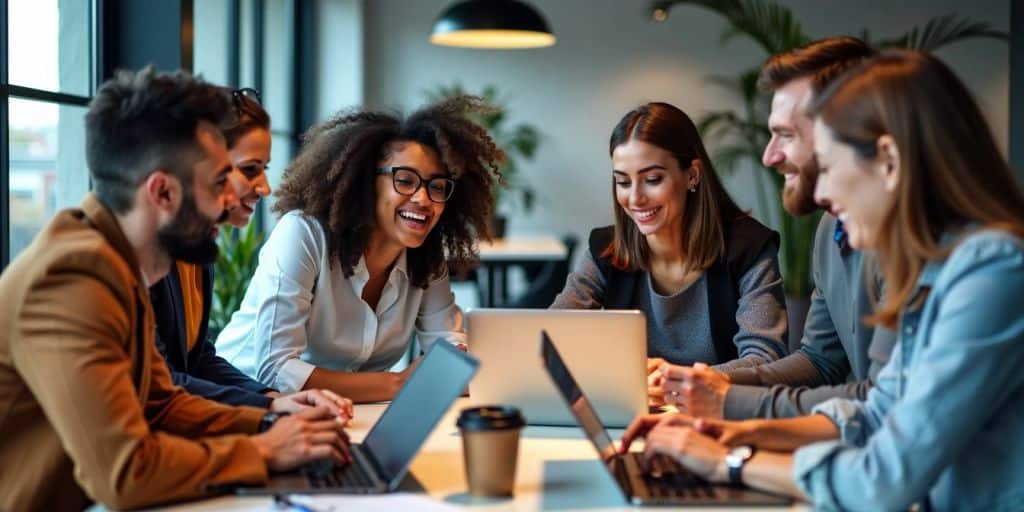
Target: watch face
x: 744, y: 452
x: 738, y: 455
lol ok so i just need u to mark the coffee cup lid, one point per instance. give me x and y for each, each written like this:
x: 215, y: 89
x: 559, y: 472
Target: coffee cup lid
x: 490, y: 417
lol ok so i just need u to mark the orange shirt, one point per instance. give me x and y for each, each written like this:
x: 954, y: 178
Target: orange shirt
x: 191, y: 277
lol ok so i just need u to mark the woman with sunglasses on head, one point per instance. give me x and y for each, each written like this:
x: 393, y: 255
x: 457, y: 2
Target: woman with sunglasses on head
x: 374, y: 209
x: 182, y: 300
x: 910, y: 166
x: 705, y: 273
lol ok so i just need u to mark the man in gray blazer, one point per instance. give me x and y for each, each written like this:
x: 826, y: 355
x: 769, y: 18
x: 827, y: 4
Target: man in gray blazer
x: 839, y: 355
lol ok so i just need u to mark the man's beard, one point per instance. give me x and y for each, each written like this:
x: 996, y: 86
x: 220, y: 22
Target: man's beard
x: 798, y: 199
x: 189, y: 237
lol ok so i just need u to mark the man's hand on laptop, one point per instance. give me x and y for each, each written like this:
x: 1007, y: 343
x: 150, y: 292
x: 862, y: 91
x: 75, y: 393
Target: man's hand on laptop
x: 699, y: 389
x: 311, y: 434
x: 296, y: 402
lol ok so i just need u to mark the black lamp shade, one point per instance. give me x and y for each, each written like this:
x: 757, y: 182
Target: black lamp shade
x: 491, y: 24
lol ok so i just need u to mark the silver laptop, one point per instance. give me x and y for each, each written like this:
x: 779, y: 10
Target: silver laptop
x: 382, y: 459
x: 607, y: 350
x: 662, y: 481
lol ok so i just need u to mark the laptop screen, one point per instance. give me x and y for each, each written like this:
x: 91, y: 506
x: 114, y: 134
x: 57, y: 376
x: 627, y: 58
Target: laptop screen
x: 439, y: 379
x: 573, y: 395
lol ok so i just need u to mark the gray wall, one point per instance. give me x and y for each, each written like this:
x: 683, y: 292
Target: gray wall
x: 609, y: 58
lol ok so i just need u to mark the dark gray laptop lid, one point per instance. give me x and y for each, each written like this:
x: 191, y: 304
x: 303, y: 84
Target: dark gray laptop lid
x: 440, y: 378
x: 575, y: 399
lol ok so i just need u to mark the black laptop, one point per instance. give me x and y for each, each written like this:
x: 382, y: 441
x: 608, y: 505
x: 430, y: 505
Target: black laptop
x: 664, y: 482
x: 382, y: 459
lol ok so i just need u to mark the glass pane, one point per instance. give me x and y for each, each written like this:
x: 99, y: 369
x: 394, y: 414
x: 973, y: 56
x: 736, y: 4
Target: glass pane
x: 278, y: 50
x: 210, y: 40
x: 49, y: 45
x: 48, y: 172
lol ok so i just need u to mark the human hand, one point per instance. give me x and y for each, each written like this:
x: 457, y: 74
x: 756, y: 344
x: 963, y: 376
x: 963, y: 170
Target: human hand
x: 695, y: 451
x: 655, y: 393
x: 272, y: 394
x: 699, y: 389
x: 729, y: 433
x: 643, y: 424
x: 311, y: 434
x: 296, y: 402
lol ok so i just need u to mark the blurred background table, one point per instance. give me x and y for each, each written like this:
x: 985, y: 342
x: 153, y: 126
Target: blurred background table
x: 545, y: 261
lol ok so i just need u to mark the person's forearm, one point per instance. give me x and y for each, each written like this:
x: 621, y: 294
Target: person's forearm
x: 786, y: 435
x: 360, y: 387
x: 772, y: 472
x: 795, y: 369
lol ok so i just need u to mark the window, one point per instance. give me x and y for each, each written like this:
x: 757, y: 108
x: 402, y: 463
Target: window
x: 251, y: 43
x: 46, y: 82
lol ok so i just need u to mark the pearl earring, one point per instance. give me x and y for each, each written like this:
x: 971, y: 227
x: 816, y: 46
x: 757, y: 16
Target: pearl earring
x: 693, y: 189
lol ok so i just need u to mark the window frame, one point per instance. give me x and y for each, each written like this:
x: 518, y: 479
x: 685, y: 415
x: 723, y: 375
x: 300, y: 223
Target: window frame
x: 9, y: 91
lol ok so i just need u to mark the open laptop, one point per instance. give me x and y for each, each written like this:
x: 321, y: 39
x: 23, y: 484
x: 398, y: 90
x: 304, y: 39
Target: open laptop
x: 382, y: 459
x: 608, y: 349
x: 665, y: 482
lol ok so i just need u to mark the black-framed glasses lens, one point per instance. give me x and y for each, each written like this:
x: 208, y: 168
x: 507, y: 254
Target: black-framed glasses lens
x: 407, y: 182
x: 248, y: 93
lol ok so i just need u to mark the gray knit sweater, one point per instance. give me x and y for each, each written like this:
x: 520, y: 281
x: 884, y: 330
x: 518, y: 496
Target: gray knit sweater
x: 679, y: 325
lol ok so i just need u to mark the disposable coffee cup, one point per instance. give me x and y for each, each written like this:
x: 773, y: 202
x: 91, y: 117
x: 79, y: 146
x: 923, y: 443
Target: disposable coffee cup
x: 490, y: 447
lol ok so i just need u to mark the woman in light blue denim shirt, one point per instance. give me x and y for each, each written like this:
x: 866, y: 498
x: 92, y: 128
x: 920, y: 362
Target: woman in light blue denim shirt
x: 909, y: 164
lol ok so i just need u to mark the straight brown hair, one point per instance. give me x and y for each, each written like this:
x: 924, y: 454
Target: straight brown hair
x: 952, y: 175
x: 708, y: 211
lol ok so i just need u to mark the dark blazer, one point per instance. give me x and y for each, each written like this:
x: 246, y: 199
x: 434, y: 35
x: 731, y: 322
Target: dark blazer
x: 200, y: 370
x: 745, y: 239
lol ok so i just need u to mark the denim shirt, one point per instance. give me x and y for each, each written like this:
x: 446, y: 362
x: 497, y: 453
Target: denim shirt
x: 944, y: 424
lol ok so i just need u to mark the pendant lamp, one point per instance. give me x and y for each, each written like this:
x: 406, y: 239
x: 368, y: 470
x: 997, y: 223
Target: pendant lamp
x: 494, y: 24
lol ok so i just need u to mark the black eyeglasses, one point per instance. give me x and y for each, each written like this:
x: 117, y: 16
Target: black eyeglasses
x: 407, y: 181
x: 248, y: 93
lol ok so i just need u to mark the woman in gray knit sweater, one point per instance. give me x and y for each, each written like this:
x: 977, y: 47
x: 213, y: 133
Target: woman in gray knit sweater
x: 705, y: 274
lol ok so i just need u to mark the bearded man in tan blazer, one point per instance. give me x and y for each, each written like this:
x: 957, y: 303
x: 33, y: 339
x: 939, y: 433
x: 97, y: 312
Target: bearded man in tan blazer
x: 87, y: 408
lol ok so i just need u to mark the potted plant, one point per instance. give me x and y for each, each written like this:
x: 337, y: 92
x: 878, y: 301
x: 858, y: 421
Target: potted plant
x: 738, y: 136
x: 236, y: 264
x: 519, y: 141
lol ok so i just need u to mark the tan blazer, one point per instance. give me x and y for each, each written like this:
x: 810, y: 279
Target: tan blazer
x: 87, y: 407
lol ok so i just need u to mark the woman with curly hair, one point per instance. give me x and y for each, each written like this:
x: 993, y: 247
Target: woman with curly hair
x: 374, y: 208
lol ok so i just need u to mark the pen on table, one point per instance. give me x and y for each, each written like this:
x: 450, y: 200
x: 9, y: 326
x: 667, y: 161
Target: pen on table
x: 283, y: 500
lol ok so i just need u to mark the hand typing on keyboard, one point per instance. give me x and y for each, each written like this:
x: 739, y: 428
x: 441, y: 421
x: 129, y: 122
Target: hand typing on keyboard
x: 674, y: 435
x: 309, y: 435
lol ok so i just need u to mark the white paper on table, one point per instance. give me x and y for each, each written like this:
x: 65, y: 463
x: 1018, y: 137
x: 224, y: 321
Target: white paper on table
x: 382, y: 502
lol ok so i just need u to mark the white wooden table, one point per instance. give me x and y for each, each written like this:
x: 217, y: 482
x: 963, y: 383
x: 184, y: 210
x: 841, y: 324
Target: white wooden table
x: 558, y: 469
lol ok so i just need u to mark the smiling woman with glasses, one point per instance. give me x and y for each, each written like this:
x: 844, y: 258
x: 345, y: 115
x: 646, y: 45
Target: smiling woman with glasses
x: 374, y: 210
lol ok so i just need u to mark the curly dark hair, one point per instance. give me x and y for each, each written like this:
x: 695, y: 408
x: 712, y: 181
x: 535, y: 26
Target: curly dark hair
x: 333, y: 181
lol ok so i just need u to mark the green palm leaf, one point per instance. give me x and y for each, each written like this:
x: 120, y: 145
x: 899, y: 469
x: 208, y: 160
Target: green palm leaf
x: 773, y: 27
x: 941, y: 31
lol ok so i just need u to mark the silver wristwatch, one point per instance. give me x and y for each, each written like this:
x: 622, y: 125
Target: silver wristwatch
x: 735, y: 461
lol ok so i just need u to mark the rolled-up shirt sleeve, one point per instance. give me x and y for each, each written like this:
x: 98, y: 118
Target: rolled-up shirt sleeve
x: 439, y: 316
x: 965, y: 369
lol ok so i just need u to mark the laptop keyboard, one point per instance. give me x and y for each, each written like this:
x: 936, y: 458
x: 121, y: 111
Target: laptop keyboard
x: 665, y: 478
x: 326, y: 474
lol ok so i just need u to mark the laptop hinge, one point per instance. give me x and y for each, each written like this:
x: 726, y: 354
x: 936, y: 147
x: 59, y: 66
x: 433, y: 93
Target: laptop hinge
x: 370, y: 462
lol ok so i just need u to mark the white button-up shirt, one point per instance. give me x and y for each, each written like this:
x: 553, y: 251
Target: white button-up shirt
x: 301, y: 312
